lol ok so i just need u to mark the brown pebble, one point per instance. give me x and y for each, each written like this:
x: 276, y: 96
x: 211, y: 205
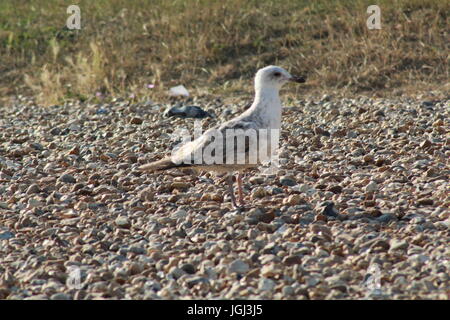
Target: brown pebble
x: 257, y: 193
x: 438, y: 123
x: 267, y: 227
x: 368, y: 158
x: 77, y: 187
x: 382, y: 244
x: 320, y: 217
x: 75, y: 150
x: 320, y: 131
x: 292, y: 260
x: 432, y: 172
x: 180, y: 185
x: 426, y: 144
x: 369, y: 203
x: 425, y: 202
x: 136, y: 120
x: 254, y: 273
x: 380, y: 162
x: 375, y: 213
x: 339, y: 133
x: 335, y: 189
x: 292, y: 200
x: 216, y: 197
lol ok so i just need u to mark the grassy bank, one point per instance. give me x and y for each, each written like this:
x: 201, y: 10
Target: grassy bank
x: 215, y: 46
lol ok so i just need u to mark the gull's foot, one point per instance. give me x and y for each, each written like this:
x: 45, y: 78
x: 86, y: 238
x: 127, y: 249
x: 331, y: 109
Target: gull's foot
x: 234, y: 204
x: 239, y: 208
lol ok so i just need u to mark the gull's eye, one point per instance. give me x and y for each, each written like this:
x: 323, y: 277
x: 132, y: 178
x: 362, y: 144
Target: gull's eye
x: 277, y: 74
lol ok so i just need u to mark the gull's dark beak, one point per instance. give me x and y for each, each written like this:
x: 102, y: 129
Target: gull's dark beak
x: 297, y: 79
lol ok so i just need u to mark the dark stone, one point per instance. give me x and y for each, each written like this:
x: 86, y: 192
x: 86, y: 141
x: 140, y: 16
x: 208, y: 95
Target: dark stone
x: 187, y: 112
x: 292, y: 260
x: 6, y: 235
x: 188, y: 268
x: 55, y: 131
x: 385, y: 218
x: 329, y: 209
x: 276, y: 190
x: 287, y: 182
x: 335, y: 189
x: 67, y: 178
x: 101, y: 111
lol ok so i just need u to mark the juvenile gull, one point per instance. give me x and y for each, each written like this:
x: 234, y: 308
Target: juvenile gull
x: 264, y: 113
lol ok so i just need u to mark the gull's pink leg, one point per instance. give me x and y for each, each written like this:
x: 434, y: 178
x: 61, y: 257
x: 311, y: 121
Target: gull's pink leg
x: 230, y: 189
x: 240, y: 192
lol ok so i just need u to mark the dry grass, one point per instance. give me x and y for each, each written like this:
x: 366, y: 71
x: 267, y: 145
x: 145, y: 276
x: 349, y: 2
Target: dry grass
x: 125, y: 45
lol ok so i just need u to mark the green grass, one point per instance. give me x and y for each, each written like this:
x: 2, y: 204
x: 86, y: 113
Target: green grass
x: 216, y: 46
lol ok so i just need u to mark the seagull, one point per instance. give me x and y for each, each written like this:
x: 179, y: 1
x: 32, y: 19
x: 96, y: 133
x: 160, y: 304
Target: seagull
x: 263, y: 117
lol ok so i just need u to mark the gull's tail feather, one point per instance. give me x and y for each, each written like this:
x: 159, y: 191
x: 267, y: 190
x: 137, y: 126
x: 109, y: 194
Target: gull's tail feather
x: 163, y: 164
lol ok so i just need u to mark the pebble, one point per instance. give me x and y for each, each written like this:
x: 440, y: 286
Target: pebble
x: 286, y: 181
x: 292, y: 260
x: 426, y: 144
x: 265, y: 284
x: 288, y: 291
x: 293, y: 200
x: 32, y: 189
x: 187, y: 112
x: 369, y: 158
x: 4, y: 205
x: 179, y: 214
x: 396, y: 244
x: 134, y: 248
x: 238, y: 266
x: 337, y: 284
x: 136, y: 120
x: 328, y: 209
x: 55, y: 131
x: 371, y: 187
x: 425, y: 202
x: 188, y: 268
x: 67, y: 178
x: 258, y: 193
x: 60, y: 296
x: 256, y: 180
x: 123, y: 222
x: 6, y: 235
x: 190, y: 282
x: 335, y: 189
x: 385, y: 218
x: 270, y: 270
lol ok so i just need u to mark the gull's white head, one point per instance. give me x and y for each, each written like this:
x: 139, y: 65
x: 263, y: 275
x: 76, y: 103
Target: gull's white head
x: 274, y: 77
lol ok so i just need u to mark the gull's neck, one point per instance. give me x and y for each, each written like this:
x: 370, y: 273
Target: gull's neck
x: 266, y: 93
x: 267, y: 105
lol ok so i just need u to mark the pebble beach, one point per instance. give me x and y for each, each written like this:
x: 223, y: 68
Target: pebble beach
x: 359, y: 208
